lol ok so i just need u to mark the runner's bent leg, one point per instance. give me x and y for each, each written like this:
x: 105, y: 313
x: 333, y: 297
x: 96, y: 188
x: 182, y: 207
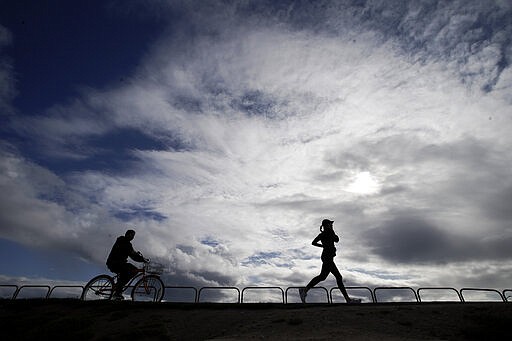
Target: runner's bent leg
x: 323, y: 275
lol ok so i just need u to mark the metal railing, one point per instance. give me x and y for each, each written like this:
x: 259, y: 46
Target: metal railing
x: 20, y: 289
x: 66, y: 287
x: 263, y: 288
x: 394, y: 294
x: 459, y: 296
x: 181, y: 288
x: 15, y: 287
x: 493, y: 291
x: 375, y: 290
x: 314, y: 288
x: 370, y: 292
x: 218, y: 288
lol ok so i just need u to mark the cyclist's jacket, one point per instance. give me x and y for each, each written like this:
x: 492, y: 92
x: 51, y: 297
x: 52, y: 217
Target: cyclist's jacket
x: 120, y: 252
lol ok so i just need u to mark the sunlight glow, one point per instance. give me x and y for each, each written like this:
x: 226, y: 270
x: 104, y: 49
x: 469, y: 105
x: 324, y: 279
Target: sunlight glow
x: 364, y: 183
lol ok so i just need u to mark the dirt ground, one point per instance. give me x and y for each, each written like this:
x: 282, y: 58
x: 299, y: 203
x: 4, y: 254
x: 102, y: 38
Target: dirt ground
x: 77, y: 320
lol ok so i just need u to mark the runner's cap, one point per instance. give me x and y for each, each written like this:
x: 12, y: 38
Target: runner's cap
x: 326, y: 222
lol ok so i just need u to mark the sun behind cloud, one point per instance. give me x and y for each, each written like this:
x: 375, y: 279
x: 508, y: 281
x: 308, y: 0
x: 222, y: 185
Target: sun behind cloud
x: 364, y: 183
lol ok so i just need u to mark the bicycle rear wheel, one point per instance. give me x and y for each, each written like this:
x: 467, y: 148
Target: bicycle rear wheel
x: 149, y: 288
x: 98, y: 288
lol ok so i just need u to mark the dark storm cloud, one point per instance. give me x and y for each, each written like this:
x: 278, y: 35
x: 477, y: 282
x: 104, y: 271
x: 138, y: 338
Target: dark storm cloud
x: 416, y: 240
x: 410, y: 240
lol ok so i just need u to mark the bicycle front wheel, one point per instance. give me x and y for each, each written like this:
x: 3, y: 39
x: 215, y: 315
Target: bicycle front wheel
x: 98, y: 288
x: 149, y: 288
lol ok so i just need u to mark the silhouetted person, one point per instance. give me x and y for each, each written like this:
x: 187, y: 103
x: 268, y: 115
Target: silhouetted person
x: 117, y: 261
x: 328, y: 238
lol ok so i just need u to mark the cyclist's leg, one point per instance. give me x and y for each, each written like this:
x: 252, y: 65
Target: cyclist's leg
x: 127, y: 271
x: 116, y: 268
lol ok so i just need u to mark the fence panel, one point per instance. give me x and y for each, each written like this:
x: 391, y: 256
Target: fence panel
x: 66, y: 291
x: 7, y: 291
x: 218, y: 295
x: 32, y: 291
x: 179, y: 294
x: 395, y: 294
x: 363, y: 293
x: 265, y: 295
x: 439, y: 294
x: 481, y: 295
x: 315, y: 295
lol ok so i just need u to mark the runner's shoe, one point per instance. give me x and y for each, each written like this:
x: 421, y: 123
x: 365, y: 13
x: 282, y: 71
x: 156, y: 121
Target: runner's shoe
x: 302, y: 294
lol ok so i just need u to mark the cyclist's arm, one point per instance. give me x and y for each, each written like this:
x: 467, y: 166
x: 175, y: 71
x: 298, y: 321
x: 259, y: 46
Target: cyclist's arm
x: 136, y: 256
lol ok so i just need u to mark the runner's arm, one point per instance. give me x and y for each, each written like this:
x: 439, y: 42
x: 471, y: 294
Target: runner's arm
x: 316, y: 241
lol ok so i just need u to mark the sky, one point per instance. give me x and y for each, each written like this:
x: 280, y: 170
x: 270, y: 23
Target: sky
x: 223, y: 132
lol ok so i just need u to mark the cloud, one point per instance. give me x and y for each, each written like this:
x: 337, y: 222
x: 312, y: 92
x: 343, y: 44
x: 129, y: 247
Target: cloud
x: 40, y: 210
x: 497, y: 205
x: 413, y: 240
x: 248, y: 123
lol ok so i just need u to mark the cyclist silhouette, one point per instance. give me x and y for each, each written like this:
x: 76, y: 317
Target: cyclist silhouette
x: 117, y: 261
x: 328, y: 238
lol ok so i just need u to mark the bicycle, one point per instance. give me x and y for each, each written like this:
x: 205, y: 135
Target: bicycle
x: 148, y: 288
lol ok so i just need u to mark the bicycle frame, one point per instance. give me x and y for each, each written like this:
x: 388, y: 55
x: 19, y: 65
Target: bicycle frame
x: 140, y: 273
